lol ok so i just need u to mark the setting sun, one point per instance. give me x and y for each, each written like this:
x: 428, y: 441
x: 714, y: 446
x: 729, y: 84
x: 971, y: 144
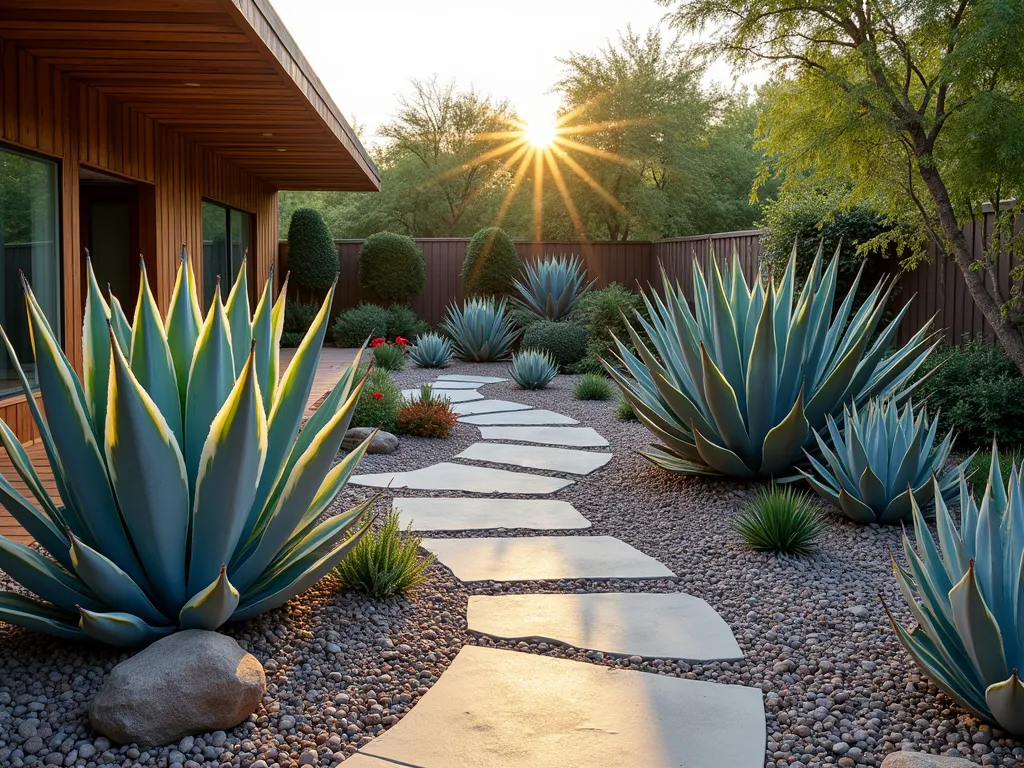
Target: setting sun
x: 541, y: 133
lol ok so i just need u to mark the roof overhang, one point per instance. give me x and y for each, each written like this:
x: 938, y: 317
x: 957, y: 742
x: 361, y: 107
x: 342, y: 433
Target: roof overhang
x: 224, y: 73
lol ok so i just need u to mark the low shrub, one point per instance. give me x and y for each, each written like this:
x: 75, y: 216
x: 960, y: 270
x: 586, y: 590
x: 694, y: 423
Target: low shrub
x: 390, y: 357
x: 601, y: 313
x: 312, y: 254
x: 978, y: 392
x: 379, y: 403
x: 354, y: 326
x: 624, y: 411
x: 431, y: 350
x: 402, y: 321
x: 491, y: 264
x: 565, y: 341
x: 532, y: 369
x: 292, y: 338
x: 391, y: 266
x: 427, y: 416
x: 593, y: 386
x: 780, y: 520
x: 384, y: 563
x: 298, y: 316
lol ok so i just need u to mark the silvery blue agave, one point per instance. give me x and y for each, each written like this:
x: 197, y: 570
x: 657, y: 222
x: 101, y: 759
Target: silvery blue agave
x: 432, y: 350
x: 481, y: 329
x: 532, y: 368
x: 737, y: 385
x: 551, y: 286
x: 967, y: 597
x: 188, y: 495
x: 880, y: 459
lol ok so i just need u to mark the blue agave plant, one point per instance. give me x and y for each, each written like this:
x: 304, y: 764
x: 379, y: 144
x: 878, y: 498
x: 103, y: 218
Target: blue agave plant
x: 481, y: 329
x: 967, y: 596
x: 532, y: 369
x: 880, y: 460
x: 188, y: 495
x: 551, y: 287
x: 432, y: 350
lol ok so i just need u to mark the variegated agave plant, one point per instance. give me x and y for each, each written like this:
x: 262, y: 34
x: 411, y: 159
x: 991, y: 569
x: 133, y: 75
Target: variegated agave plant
x: 188, y: 495
x: 737, y: 385
x: 880, y: 460
x: 967, y: 596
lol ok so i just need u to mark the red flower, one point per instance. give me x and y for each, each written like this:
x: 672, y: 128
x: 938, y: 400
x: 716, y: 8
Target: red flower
x: 380, y: 341
x: 377, y: 396
x: 401, y: 341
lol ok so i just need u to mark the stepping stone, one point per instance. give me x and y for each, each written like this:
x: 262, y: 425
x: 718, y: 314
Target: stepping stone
x: 659, y: 626
x: 541, y: 558
x: 504, y: 709
x: 455, y: 395
x: 490, y: 406
x: 467, y: 377
x: 453, y: 384
x: 535, y: 457
x: 459, y: 477
x: 579, y: 437
x: 539, y: 416
x: 457, y: 514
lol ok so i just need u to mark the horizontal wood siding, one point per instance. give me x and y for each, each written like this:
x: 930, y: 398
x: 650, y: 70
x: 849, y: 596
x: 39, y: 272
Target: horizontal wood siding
x: 46, y: 110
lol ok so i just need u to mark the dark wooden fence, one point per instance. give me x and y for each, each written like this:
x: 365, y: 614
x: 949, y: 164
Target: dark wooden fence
x: 937, y: 287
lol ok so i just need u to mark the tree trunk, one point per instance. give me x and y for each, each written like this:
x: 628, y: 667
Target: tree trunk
x: 1008, y: 335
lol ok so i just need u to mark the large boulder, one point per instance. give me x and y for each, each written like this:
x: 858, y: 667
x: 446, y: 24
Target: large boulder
x: 922, y: 760
x: 383, y: 442
x: 186, y: 683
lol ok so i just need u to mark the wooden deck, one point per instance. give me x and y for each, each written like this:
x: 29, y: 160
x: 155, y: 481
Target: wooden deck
x: 333, y: 363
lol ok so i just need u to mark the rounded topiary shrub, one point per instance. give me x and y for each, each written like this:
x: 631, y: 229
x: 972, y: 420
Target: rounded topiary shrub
x: 312, y: 254
x: 392, y: 266
x: 491, y: 264
x: 565, y: 341
x: 354, y: 326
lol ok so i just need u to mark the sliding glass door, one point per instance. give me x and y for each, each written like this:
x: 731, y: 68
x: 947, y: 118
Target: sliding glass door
x: 227, y: 237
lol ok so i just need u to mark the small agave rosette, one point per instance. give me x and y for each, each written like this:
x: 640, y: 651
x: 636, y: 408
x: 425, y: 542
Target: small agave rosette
x: 481, y: 329
x: 551, y: 286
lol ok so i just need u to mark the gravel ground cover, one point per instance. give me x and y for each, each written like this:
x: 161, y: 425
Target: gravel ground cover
x: 838, y: 688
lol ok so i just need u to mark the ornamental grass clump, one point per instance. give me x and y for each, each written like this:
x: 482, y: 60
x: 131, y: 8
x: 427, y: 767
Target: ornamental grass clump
x: 880, y: 460
x: 593, y: 386
x: 389, y: 356
x: 532, y: 369
x: 967, y: 598
x: 385, y: 564
x: 189, y: 497
x: 737, y: 385
x: 780, y: 520
x: 432, y: 350
x: 624, y: 411
x: 551, y: 286
x: 481, y: 329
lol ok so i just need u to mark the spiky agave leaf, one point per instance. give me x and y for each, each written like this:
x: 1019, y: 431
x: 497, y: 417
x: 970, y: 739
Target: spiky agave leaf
x: 532, y: 368
x: 432, y: 350
x: 551, y: 286
x: 967, y: 595
x: 481, y: 329
x: 196, y: 500
x: 738, y: 384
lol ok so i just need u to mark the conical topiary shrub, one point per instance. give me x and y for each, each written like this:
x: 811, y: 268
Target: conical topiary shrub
x: 312, y: 255
x: 491, y: 265
x: 392, y: 267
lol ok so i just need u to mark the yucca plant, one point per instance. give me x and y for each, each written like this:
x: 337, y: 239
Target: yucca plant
x: 780, y: 520
x: 532, y: 369
x: 481, y: 329
x: 737, y: 385
x: 431, y: 350
x: 551, y: 286
x: 880, y: 459
x: 188, y: 495
x: 967, y: 597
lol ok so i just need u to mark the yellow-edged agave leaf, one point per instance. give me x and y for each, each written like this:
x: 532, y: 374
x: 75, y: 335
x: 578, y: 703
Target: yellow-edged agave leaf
x: 1006, y: 700
x: 290, y: 400
x: 23, y: 465
x: 112, y: 585
x: 212, y: 606
x: 263, y: 336
x: 316, y: 538
x: 210, y: 382
x: 44, y: 577
x: 38, y: 525
x: 148, y: 474
x: 95, y: 351
x: 237, y: 310
x: 40, y: 617
x: 276, y: 329
x: 228, y: 473
x: 119, y: 322
x: 978, y: 628
x: 151, y: 361
x: 84, y: 469
x: 182, y: 326
x: 335, y: 481
x: 121, y: 629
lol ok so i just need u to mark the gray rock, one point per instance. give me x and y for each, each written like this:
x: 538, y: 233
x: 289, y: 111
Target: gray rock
x: 921, y: 760
x: 188, y: 682
x: 383, y: 442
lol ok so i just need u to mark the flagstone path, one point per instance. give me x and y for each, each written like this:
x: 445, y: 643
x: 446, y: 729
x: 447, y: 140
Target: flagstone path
x: 506, y: 709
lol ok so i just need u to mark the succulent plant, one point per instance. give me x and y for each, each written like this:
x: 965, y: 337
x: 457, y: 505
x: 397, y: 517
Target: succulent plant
x: 481, y: 329
x: 432, y: 350
x: 551, y: 286
x: 880, y: 459
x: 737, y: 385
x: 188, y: 495
x: 532, y: 369
x: 967, y: 597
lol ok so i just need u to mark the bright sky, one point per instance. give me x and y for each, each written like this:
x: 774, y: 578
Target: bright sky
x: 367, y: 52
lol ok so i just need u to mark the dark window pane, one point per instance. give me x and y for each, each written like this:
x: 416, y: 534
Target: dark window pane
x: 215, y: 248
x: 241, y: 239
x: 29, y: 244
